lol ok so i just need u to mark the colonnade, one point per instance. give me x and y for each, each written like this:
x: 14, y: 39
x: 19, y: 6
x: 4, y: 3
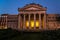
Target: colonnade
x: 29, y: 19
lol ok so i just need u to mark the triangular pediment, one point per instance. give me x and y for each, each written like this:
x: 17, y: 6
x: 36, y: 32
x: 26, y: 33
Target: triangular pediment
x: 32, y: 8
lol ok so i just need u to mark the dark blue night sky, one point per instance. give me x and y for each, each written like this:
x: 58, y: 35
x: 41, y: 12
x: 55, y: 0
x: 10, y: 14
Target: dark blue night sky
x: 11, y: 6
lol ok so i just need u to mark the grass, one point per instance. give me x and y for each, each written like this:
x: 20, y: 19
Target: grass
x: 10, y: 34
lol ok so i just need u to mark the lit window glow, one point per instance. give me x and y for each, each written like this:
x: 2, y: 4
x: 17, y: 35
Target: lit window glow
x: 32, y: 23
x: 37, y: 23
x: 27, y: 23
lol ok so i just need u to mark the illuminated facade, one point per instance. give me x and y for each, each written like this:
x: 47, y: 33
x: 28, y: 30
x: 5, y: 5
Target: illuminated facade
x: 30, y: 17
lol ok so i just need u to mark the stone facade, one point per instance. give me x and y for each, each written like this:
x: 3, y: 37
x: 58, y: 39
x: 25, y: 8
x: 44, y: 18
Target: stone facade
x: 53, y: 21
x: 30, y: 17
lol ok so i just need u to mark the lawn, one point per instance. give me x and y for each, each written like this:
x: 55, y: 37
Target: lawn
x: 10, y: 34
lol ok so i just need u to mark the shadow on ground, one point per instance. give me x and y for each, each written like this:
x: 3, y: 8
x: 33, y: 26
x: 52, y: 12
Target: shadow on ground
x: 10, y: 34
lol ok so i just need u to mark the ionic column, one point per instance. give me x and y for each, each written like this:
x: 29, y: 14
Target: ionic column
x: 19, y: 22
x: 0, y: 20
x: 34, y: 21
x: 24, y: 27
x: 45, y: 21
x: 39, y: 21
x: 6, y: 21
x: 3, y: 22
x: 29, y: 21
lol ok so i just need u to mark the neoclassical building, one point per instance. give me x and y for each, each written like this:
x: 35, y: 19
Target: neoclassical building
x: 30, y: 17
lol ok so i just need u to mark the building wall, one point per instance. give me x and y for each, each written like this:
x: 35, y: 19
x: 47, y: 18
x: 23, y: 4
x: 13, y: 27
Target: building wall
x: 53, y: 21
x: 9, y: 21
x: 12, y: 21
x: 3, y: 22
x: 50, y: 21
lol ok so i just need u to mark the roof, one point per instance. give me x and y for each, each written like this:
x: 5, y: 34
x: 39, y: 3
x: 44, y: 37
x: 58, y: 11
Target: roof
x: 35, y: 6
